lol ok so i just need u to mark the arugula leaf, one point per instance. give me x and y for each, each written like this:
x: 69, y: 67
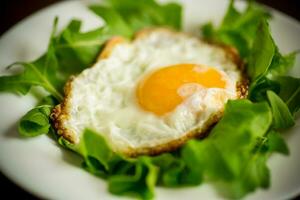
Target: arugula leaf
x: 281, y: 64
x: 36, y: 121
x: 259, y: 87
x: 231, y: 17
x: 265, y: 59
x: 233, y: 153
x: 262, y: 52
x: 127, y: 17
x: 147, y: 13
x: 75, y: 50
x: 265, y: 64
x: 282, y: 117
x: 289, y: 92
x: 175, y: 171
x: 276, y: 143
x: 67, y: 54
x: 214, y: 157
x: 256, y: 174
x: 125, y: 176
x: 49, y: 100
x: 237, y: 29
x: 165, y: 162
x: 114, y: 21
x: 172, y: 15
x: 140, y: 182
x: 38, y: 73
x: 283, y: 94
x: 90, y: 148
x: 129, y: 176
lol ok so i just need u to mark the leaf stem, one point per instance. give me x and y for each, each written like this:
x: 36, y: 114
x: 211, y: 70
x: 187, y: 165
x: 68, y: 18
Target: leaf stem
x: 47, y: 85
x: 294, y: 94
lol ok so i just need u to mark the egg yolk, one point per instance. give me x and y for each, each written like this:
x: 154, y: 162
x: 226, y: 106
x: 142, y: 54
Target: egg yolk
x: 164, y: 89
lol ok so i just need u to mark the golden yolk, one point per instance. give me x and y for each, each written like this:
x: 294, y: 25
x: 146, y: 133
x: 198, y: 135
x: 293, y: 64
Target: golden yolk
x: 164, y: 89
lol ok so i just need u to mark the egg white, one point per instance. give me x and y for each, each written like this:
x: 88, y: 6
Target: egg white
x: 103, y: 97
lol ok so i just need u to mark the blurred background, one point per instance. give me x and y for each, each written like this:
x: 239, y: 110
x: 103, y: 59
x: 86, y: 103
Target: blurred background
x: 12, y: 11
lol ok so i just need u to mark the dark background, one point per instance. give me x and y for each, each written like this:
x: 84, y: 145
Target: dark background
x: 12, y: 11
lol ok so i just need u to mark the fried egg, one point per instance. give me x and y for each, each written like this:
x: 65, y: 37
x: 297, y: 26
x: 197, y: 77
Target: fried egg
x: 152, y: 94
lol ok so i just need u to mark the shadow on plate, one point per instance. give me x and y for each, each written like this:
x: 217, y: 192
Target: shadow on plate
x: 12, y: 132
x: 66, y: 154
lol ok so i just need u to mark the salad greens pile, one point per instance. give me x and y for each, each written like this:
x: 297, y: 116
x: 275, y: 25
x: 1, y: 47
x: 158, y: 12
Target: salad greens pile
x: 233, y: 157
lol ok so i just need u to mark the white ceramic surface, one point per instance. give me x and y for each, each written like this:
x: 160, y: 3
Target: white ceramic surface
x: 48, y: 171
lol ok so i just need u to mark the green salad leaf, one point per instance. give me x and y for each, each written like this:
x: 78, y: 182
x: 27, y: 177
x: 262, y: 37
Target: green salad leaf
x: 67, y: 54
x: 36, y: 121
x: 282, y: 116
x: 38, y: 73
x: 174, y: 172
x: 135, y: 177
x: 113, y: 20
x: 289, y: 92
x: 242, y: 169
x: 127, y: 17
x: 266, y: 67
x: 281, y: 64
x: 94, y: 148
x: 262, y: 52
x: 238, y: 28
x: 75, y: 50
x: 276, y: 143
x: 137, y: 180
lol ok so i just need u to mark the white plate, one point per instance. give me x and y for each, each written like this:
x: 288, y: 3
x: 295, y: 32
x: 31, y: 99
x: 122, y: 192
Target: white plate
x: 48, y: 171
